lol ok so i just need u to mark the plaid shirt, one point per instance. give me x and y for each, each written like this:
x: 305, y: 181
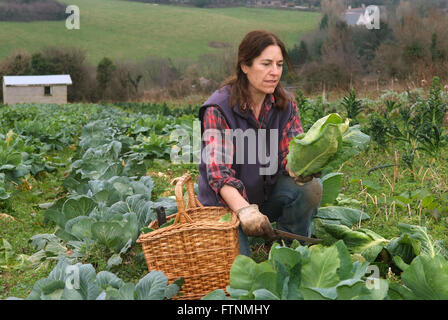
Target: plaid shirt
x: 219, y: 174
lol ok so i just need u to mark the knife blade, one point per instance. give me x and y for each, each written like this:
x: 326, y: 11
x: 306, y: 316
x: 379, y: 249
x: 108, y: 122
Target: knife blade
x: 284, y: 234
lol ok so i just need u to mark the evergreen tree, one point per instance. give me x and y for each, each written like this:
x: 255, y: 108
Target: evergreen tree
x: 324, y: 22
x: 104, y: 72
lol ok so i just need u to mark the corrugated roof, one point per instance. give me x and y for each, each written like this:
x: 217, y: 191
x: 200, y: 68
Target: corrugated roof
x: 37, y: 80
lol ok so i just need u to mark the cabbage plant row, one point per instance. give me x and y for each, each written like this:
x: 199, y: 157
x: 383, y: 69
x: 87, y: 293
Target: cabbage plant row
x: 81, y: 282
x: 109, y: 194
x: 330, y: 273
x: 109, y: 199
x: 109, y: 202
x: 27, y: 134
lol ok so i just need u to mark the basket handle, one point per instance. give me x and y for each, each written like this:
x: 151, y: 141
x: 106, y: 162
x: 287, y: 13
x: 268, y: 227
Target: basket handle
x: 193, y: 202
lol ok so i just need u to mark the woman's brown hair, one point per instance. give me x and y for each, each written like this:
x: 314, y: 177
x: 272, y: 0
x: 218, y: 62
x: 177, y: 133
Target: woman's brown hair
x: 251, y: 47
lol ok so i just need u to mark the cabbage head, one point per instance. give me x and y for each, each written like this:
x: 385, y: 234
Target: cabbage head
x: 309, y: 153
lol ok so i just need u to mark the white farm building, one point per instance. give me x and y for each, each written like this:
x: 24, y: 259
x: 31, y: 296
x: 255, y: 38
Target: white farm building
x: 36, y: 89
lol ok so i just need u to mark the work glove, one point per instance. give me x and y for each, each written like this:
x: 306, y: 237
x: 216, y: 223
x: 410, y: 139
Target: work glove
x: 254, y: 223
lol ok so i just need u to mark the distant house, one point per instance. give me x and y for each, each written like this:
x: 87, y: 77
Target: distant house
x: 269, y: 3
x: 36, y: 89
x: 355, y: 17
x: 283, y: 4
x: 359, y: 16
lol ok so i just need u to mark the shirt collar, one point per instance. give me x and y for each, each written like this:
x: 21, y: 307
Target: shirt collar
x: 270, y: 101
x: 268, y: 104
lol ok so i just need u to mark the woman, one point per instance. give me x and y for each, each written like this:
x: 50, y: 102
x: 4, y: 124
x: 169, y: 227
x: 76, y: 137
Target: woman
x: 246, y: 129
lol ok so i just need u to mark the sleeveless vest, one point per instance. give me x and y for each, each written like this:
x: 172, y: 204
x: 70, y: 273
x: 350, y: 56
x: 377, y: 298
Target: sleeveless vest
x: 257, y: 185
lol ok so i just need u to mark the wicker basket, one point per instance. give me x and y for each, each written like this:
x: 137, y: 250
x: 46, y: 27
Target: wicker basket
x: 196, y: 246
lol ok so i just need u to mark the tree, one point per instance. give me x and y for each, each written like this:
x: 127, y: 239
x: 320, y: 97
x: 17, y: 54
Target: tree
x: 135, y: 81
x: 437, y: 54
x: 39, y: 65
x: 299, y: 54
x: 17, y: 64
x: 333, y: 9
x: 324, y: 22
x: 72, y: 61
x: 104, y: 72
x: 202, y: 3
x: 367, y: 42
x: 338, y: 48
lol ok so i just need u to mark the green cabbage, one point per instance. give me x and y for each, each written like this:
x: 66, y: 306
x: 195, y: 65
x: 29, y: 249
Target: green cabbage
x: 327, y: 144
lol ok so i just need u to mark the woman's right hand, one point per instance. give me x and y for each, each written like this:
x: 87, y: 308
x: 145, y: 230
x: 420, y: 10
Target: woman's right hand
x: 254, y: 223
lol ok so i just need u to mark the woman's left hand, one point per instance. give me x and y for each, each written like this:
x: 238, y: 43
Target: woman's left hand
x: 301, y: 179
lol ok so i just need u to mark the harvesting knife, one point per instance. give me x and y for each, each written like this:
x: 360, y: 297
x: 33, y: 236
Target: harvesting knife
x: 284, y: 234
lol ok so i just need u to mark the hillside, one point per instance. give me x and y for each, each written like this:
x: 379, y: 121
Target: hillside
x: 131, y: 30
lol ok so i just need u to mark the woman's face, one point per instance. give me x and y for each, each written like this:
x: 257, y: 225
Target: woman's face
x: 266, y: 70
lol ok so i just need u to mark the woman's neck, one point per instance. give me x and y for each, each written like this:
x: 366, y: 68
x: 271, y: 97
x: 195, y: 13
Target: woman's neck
x: 257, y: 102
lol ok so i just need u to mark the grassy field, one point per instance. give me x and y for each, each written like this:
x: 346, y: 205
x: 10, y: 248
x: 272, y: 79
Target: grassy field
x: 132, y: 30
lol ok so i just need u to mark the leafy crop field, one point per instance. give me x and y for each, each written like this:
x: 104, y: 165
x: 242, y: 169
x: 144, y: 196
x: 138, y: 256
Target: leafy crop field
x: 77, y: 187
x: 132, y: 30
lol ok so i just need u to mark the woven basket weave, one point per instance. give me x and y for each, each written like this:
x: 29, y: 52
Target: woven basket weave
x: 196, y: 246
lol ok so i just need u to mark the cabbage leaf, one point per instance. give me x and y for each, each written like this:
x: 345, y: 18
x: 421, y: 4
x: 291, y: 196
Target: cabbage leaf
x: 327, y: 144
